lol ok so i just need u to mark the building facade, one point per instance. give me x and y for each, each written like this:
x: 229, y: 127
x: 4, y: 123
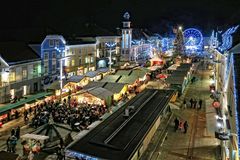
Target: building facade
x: 52, y: 51
x: 20, y: 71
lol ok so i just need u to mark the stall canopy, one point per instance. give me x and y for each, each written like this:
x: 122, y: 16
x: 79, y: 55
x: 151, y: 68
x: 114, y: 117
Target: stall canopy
x: 20, y: 103
x: 139, y: 73
x: 185, y: 66
x: 76, y: 79
x: 91, y: 74
x: 128, y: 79
x: 54, y: 132
x: 123, y: 72
x: 175, y: 80
x: 111, y: 78
x: 91, y: 85
x: 103, y: 70
x: 114, y: 87
x: 56, y: 85
x: 180, y: 73
x: 100, y: 92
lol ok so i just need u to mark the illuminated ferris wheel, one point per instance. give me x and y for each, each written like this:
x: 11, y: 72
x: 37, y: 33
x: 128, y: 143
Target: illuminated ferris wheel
x: 193, y: 40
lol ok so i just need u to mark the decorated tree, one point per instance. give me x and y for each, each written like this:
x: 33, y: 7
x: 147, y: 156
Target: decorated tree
x: 179, y: 41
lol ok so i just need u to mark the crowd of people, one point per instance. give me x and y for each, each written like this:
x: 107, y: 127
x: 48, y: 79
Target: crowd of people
x: 78, y: 117
x: 193, y: 103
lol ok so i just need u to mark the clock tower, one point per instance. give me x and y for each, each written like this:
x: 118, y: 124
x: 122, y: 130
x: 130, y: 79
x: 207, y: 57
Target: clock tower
x: 126, y: 37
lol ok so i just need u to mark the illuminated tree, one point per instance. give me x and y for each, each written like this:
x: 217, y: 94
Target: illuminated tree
x: 179, y: 41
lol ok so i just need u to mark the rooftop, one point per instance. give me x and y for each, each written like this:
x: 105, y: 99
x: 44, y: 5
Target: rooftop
x: 17, y: 52
x: 118, y: 136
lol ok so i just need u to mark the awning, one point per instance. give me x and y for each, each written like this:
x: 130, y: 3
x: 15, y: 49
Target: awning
x: 91, y: 74
x: 114, y: 87
x: 34, y: 136
x: 75, y: 79
x: 111, y: 78
x: 91, y: 85
x: 103, y: 70
x: 128, y: 79
x: 56, y: 85
x: 22, y: 102
x: 123, y: 72
x: 175, y: 80
x: 100, y: 92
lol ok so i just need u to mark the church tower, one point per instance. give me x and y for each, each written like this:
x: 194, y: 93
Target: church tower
x: 126, y: 37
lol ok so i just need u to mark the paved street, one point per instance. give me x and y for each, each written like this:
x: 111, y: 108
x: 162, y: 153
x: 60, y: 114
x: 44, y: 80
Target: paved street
x: 199, y: 142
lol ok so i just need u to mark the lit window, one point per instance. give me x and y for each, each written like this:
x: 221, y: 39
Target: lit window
x: 92, y: 59
x: 24, y: 74
x: 86, y: 59
x: 67, y: 63
x: 12, y: 76
x: 73, y: 62
x: 51, y: 43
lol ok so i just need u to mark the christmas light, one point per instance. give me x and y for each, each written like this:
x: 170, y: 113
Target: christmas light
x: 235, y: 99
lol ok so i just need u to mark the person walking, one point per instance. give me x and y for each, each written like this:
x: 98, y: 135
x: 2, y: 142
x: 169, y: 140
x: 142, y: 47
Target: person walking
x: 13, y: 143
x: 185, y: 125
x: 17, y: 132
x: 191, y: 102
x: 184, y: 104
x: 194, y: 103
x: 176, y: 122
x: 200, y: 103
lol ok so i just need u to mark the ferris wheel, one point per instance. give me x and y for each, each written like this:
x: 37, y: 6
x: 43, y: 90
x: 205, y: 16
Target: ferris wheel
x: 193, y: 39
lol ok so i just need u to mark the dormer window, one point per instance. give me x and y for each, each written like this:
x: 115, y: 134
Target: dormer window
x: 51, y: 43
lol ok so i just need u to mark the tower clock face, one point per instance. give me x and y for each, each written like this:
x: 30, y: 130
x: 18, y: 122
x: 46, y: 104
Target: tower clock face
x: 193, y: 37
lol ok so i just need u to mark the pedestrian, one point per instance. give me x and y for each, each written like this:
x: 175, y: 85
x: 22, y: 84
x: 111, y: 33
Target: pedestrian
x: 200, y: 103
x: 185, y: 125
x: 176, y: 122
x: 191, y: 102
x: 184, y: 104
x: 12, y: 131
x: 181, y: 125
x: 194, y: 103
x: 17, y: 132
x: 8, y: 145
x: 13, y: 143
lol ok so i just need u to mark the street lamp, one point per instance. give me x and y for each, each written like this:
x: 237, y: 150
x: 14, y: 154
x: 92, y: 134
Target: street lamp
x: 180, y: 28
x: 61, y: 51
x: 110, y: 45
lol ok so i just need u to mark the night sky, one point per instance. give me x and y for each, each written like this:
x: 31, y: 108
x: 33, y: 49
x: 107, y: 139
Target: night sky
x: 35, y: 17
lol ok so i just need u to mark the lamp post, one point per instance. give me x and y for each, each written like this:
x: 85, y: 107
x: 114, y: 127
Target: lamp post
x: 110, y: 45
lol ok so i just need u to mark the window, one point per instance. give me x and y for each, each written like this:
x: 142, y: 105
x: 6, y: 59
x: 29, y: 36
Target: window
x: 45, y: 55
x: 51, y: 43
x: 54, y: 67
x: 12, y: 76
x: 73, y: 62
x: 35, y: 73
x: 80, y: 60
x: 24, y: 74
x: 86, y: 60
x: 67, y: 63
x: 54, y: 54
x: 92, y: 59
x: 57, y: 43
x: 46, y: 69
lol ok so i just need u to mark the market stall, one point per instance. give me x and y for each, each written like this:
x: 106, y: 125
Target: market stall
x: 118, y: 90
x: 111, y: 78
